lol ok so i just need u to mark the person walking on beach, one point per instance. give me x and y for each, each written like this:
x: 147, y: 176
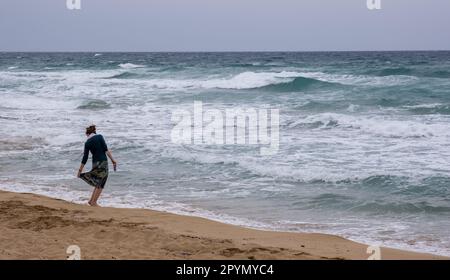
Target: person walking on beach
x: 99, y: 174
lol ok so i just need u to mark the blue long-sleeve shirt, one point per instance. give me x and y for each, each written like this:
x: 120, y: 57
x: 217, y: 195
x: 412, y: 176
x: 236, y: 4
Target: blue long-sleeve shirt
x: 97, y: 146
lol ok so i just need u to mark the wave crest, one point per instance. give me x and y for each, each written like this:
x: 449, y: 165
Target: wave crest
x: 130, y: 66
x: 123, y: 75
x: 94, y: 105
x: 375, y: 125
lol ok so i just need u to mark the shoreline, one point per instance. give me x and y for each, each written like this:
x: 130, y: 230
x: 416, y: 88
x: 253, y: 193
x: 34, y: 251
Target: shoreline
x: 38, y: 227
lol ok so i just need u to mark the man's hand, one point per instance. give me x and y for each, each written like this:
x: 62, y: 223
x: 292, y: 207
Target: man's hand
x: 80, y: 170
x: 109, y: 154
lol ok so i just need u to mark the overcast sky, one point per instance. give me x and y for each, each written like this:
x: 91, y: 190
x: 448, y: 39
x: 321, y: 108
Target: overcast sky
x: 224, y: 25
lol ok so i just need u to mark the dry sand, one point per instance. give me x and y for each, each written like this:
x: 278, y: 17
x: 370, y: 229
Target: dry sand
x: 37, y: 227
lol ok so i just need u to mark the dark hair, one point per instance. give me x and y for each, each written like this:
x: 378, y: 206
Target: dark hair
x: 91, y: 129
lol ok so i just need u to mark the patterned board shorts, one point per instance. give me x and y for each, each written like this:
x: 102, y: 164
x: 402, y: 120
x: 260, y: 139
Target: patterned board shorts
x: 98, y: 175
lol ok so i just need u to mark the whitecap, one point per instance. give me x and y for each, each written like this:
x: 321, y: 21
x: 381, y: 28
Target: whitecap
x: 130, y: 65
x: 253, y: 80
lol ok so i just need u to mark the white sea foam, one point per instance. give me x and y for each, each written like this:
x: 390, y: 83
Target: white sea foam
x: 251, y: 80
x: 377, y: 125
x: 360, y: 80
x: 425, y: 106
x: 130, y: 66
x: 246, y: 80
x: 35, y: 103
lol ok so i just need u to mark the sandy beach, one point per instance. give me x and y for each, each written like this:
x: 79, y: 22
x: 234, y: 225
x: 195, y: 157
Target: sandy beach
x: 38, y: 227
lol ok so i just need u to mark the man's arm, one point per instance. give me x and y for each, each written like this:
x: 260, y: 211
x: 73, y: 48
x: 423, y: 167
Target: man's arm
x: 109, y: 154
x: 80, y: 170
x: 84, y: 160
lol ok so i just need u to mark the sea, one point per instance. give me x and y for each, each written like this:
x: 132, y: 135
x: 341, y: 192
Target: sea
x: 364, y: 138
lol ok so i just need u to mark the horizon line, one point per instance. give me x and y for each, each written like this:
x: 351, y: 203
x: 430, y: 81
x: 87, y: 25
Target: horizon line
x: 220, y: 51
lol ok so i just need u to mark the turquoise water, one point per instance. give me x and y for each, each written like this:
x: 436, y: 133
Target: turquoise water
x: 364, y: 137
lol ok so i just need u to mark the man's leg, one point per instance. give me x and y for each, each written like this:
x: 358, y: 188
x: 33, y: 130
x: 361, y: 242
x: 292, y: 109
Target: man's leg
x: 97, y: 195
x: 94, y: 193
